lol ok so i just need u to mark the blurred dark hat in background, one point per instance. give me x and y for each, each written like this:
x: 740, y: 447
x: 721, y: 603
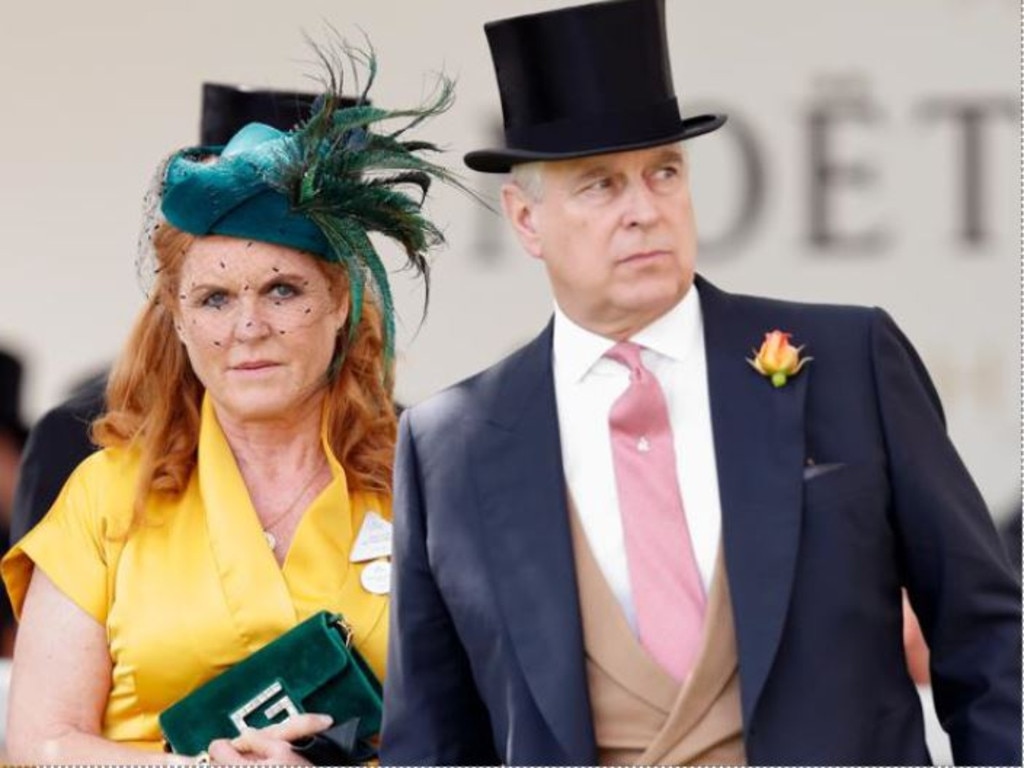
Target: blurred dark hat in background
x: 226, y: 108
x: 10, y: 397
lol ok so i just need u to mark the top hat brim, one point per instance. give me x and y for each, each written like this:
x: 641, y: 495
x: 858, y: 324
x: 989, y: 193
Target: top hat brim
x: 501, y: 160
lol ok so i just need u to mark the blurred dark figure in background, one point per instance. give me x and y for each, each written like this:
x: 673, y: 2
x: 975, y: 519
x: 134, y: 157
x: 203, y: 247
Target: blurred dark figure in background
x: 60, y: 440
x: 12, y: 439
x: 56, y: 445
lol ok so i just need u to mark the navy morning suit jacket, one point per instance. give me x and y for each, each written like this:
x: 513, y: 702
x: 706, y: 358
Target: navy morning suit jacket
x: 486, y: 660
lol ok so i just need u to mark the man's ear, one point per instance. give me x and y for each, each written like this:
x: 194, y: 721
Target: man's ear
x: 523, y: 214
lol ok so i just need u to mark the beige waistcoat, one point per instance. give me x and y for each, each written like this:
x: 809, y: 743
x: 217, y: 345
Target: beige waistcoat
x: 641, y: 714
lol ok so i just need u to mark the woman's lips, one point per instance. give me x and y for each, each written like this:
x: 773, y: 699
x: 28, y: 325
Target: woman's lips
x: 254, y: 365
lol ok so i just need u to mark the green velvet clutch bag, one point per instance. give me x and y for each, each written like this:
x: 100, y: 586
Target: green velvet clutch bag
x: 311, y: 668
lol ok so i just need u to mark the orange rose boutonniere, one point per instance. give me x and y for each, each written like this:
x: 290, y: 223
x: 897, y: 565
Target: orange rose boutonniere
x: 777, y: 359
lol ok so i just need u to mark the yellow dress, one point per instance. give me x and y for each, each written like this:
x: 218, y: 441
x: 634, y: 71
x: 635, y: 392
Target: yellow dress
x: 194, y: 588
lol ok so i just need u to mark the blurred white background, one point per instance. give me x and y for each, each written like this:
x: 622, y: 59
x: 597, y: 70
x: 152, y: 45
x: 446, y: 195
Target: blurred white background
x: 871, y: 157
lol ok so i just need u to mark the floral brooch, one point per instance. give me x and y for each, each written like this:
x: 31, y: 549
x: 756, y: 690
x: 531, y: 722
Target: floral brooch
x: 777, y: 359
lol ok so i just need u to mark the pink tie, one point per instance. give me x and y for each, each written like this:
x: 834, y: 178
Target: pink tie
x: 667, y: 590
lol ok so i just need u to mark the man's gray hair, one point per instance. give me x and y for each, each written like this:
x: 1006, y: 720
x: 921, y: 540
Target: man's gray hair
x: 529, y: 177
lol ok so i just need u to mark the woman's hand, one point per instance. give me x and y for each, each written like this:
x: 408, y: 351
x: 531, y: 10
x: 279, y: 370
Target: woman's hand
x: 270, y: 745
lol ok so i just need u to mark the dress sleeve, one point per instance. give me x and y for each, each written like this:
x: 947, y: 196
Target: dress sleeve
x: 71, y: 543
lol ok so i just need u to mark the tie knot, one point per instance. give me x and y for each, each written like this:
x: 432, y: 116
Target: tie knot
x: 628, y: 354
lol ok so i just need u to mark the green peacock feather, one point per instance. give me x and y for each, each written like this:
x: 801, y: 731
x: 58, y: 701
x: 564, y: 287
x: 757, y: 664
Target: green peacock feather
x: 352, y: 178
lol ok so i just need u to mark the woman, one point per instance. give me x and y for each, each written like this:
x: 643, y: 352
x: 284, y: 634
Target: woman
x: 249, y: 439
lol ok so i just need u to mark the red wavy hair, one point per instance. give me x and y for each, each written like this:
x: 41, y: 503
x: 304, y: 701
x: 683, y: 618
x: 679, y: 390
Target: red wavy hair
x: 154, y: 397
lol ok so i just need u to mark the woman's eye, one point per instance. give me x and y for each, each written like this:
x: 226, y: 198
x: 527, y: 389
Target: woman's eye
x: 215, y: 299
x: 282, y: 291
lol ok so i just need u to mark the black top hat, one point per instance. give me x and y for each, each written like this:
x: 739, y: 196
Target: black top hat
x: 10, y: 398
x: 583, y: 81
x: 226, y: 108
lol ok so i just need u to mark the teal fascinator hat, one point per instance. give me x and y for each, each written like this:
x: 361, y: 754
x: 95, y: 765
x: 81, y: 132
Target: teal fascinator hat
x: 321, y: 188
x: 233, y: 195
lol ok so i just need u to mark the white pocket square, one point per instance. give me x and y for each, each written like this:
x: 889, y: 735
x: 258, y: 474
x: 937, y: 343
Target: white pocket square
x: 817, y: 470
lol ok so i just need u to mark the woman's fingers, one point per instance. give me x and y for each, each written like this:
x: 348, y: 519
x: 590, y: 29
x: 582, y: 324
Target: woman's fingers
x: 295, y: 727
x: 254, y: 747
x: 270, y: 744
x: 221, y: 751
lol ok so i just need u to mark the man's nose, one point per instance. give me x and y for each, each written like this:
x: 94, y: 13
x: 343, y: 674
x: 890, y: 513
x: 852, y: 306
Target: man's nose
x: 641, y: 207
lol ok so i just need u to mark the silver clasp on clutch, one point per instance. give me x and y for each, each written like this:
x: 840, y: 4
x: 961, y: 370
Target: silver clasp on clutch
x: 283, y: 704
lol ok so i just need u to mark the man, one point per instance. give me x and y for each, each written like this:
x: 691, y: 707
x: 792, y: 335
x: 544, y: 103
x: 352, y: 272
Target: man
x: 628, y: 542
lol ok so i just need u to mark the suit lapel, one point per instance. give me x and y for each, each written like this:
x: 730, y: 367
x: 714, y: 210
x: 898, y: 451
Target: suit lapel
x: 759, y: 450
x: 522, y: 493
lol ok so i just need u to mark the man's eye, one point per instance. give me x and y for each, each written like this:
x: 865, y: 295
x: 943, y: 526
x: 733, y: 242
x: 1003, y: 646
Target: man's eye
x: 598, y: 185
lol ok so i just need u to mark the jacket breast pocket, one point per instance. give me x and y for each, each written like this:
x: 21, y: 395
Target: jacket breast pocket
x: 853, y: 494
x: 828, y: 483
x: 846, y: 530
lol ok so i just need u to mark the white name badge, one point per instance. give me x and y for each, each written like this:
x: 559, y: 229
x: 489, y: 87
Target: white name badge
x: 373, y: 540
x: 376, y: 577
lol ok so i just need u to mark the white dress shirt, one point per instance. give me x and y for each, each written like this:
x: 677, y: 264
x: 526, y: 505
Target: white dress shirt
x: 586, y: 386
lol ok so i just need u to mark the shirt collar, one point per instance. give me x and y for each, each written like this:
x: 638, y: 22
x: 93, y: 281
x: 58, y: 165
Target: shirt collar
x: 575, y: 350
